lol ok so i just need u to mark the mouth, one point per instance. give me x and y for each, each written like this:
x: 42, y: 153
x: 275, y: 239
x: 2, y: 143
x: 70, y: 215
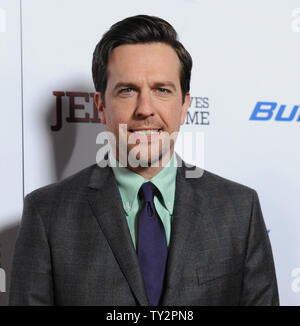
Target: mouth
x: 148, y: 133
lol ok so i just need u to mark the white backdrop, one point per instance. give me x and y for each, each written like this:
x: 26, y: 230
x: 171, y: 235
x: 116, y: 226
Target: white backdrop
x: 244, y: 52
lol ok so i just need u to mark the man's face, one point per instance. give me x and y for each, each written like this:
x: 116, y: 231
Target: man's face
x: 143, y: 91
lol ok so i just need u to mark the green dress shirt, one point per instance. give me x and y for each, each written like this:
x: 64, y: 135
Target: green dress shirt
x: 129, y: 184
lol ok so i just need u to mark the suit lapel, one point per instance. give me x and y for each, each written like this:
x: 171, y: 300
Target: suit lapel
x: 186, y: 220
x: 106, y: 204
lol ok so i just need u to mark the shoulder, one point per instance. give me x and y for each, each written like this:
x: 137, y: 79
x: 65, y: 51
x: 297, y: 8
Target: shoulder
x: 216, y: 188
x: 200, y: 177
x: 71, y: 186
x: 219, y: 183
x: 63, y: 200
x: 221, y: 202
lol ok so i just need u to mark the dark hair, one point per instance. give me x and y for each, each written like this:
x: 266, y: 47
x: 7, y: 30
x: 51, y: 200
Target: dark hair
x: 133, y: 30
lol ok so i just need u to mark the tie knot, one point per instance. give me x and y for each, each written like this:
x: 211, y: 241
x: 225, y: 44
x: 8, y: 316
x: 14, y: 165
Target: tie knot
x: 147, y: 191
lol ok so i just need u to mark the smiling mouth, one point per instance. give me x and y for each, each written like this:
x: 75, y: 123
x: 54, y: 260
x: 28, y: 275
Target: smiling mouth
x: 146, y: 135
x: 147, y: 132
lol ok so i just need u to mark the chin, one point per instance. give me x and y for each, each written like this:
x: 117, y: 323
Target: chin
x: 139, y: 156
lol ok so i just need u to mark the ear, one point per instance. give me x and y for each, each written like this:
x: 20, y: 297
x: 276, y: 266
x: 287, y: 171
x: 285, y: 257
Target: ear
x: 99, y: 104
x: 185, y: 107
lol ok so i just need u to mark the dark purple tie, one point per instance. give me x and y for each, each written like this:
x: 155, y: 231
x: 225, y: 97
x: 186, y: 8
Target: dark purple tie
x: 152, y: 245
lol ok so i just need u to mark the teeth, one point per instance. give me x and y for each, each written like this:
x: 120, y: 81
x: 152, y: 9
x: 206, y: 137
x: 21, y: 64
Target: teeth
x: 146, y: 132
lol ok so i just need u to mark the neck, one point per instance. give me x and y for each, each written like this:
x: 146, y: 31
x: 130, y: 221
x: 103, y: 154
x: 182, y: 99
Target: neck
x: 146, y: 172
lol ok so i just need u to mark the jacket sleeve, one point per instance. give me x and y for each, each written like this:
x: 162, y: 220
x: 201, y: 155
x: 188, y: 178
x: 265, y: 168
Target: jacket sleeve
x: 31, y: 277
x: 259, y: 281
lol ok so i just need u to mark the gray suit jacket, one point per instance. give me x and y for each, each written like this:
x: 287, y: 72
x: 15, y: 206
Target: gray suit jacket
x: 74, y: 246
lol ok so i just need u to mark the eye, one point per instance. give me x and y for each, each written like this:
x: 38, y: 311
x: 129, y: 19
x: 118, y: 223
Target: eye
x: 126, y: 90
x: 163, y: 90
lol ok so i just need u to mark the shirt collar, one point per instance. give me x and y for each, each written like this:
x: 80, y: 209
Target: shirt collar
x: 130, y: 182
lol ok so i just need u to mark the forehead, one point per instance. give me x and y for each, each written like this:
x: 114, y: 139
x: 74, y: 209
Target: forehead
x: 143, y: 62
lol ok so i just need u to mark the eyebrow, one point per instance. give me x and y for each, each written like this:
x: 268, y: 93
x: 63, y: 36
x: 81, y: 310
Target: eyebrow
x: 156, y: 84
x: 166, y: 84
x: 124, y: 84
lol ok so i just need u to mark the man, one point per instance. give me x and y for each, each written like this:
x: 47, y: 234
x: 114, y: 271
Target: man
x: 143, y: 234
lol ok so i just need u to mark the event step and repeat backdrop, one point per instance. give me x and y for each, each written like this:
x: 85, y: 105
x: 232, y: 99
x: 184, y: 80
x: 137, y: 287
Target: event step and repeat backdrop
x: 243, y: 122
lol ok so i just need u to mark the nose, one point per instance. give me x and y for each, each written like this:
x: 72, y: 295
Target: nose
x: 144, y: 105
